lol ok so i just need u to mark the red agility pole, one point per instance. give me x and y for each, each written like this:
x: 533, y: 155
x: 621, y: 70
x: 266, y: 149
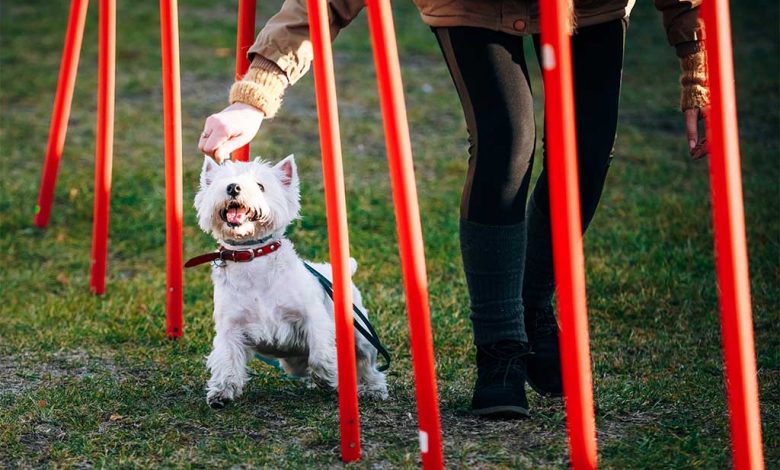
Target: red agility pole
x: 410, y: 240
x: 245, y: 37
x: 105, y: 137
x: 61, y: 110
x: 730, y: 247
x: 338, y: 242
x: 169, y: 38
x: 567, y: 231
x: 104, y: 148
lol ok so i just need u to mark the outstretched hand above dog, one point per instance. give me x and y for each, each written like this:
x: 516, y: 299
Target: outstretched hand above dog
x: 229, y: 130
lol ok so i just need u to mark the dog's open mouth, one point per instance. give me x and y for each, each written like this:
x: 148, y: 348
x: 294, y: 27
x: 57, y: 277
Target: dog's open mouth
x: 236, y: 214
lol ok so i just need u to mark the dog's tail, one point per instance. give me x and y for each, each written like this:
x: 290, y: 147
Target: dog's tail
x: 352, y: 265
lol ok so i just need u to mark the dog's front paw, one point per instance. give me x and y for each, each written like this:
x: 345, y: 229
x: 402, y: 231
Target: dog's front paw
x: 323, y: 381
x: 218, y: 398
x: 324, y: 376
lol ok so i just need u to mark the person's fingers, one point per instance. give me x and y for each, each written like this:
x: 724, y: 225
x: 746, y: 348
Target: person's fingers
x: 213, y: 142
x: 204, y: 137
x: 229, y: 146
x: 701, y: 150
x: 214, y: 133
x: 229, y: 130
x: 692, y: 127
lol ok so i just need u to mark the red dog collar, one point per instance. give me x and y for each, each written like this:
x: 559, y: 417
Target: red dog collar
x: 238, y: 256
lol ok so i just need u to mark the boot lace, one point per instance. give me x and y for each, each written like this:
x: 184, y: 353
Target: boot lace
x: 507, y: 357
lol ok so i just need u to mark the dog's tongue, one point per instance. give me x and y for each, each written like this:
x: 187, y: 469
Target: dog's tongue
x: 236, y: 215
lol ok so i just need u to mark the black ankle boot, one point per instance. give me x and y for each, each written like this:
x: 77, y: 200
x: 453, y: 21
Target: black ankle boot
x: 500, y: 388
x: 544, y: 365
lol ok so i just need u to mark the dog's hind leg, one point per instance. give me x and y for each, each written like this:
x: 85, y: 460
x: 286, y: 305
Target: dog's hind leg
x: 371, y: 382
x: 227, y: 363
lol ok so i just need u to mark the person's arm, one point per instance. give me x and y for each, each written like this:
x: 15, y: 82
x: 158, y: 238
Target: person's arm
x: 685, y: 31
x: 280, y: 56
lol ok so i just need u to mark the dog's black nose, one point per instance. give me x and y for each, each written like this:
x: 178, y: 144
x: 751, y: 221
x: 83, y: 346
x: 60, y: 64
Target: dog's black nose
x: 233, y: 189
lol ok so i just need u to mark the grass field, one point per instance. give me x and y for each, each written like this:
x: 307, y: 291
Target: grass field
x: 92, y: 381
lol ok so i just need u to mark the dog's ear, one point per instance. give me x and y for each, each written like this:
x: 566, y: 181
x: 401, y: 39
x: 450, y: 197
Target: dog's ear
x: 289, y: 170
x: 207, y: 172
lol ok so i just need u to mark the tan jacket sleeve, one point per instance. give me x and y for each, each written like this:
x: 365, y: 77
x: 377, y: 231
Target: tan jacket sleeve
x: 685, y: 31
x: 282, y: 53
x: 681, y: 20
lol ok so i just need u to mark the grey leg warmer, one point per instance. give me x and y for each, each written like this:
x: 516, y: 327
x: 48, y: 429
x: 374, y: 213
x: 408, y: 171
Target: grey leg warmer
x: 493, y: 261
x: 539, y: 281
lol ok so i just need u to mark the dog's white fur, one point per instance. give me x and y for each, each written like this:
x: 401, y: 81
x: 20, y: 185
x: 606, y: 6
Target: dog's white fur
x: 271, y: 304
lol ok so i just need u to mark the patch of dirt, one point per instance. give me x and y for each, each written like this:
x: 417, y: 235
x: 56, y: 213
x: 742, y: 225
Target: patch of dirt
x: 23, y: 372
x: 469, y: 441
x: 617, y: 427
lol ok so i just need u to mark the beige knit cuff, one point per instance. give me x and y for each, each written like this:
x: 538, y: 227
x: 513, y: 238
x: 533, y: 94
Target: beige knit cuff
x: 695, y: 92
x: 262, y: 87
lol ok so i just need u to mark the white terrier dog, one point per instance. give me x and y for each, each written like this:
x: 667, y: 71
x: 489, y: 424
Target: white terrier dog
x: 268, y: 302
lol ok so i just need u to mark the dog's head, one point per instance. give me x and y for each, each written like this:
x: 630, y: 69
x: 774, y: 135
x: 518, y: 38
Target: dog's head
x: 247, y: 200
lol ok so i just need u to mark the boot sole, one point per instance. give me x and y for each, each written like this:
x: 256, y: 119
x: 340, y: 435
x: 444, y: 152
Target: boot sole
x: 503, y: 411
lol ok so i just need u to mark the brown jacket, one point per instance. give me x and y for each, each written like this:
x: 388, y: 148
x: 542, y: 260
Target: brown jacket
x: 283, y: 52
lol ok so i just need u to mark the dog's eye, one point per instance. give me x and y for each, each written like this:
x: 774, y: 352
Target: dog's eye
x: 262, y: 188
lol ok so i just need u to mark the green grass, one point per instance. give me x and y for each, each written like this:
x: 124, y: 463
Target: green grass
x: 93, y: 381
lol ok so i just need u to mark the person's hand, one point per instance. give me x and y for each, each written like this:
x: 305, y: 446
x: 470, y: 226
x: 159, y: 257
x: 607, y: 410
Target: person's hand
x: 229, y: 129
x: 697, y: 144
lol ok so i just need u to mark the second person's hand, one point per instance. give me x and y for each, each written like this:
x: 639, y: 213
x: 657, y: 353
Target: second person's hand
x: 697, y: 143
x: 229, y: 129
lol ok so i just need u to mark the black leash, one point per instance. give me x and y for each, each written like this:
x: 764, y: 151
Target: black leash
x: 371, y: 334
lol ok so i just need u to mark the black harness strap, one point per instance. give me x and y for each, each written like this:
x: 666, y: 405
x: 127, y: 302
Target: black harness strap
x: 371, y: 334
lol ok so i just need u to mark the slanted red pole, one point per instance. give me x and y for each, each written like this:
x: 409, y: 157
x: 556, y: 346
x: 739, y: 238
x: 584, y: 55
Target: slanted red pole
x: 567, y: 231
x: 61, y: 110
x: 338, y: 241
x: 730, y: 246
x: 169, y: 36
x: 410, y: 240
x: 104, y: 147
x: 245, y: 37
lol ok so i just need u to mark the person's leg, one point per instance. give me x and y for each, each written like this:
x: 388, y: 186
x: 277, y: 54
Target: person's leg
x: 490, y: 75
x: 597, y: 62
x: 491, y: 78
